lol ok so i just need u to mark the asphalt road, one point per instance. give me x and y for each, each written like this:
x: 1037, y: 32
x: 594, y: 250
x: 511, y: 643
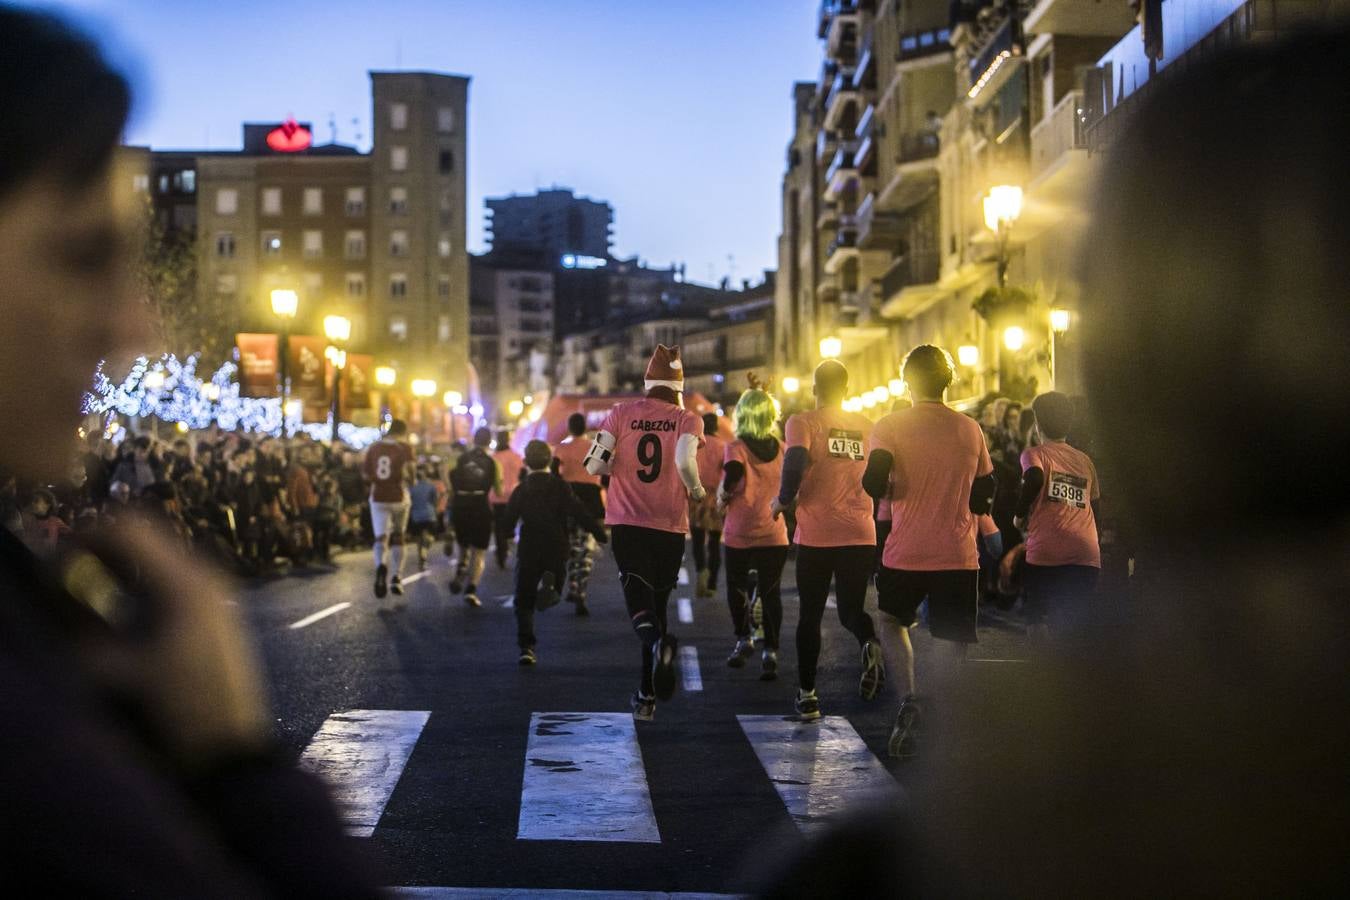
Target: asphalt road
x: 452, y: 792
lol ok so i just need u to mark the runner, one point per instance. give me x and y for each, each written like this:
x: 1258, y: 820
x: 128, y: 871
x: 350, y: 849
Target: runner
x: 569, y: 461
x: 474, y: 477
x: 1058, y: 511
x: 931, y: 462
x: 757, y: 540
x: 836, y: 535
x: 422, y: 517
x: 511, y: 465
x: 649, y: 448
x: 705, y: 518
x: 388, y: 469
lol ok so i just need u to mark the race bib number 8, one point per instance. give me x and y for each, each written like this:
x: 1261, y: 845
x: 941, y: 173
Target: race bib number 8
x: 845, y: 444
x: 1068, y: 489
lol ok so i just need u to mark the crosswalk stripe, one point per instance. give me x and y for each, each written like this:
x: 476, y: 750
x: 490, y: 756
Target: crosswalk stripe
x: 820, y: 769
x: 831, y: 603
x: 361, y: 753
x: 683, y: 577
x: 321, y: 614
x: 684, y: 610
x: 690, y: 675
x: 584, y: 780
x: 416, y: 576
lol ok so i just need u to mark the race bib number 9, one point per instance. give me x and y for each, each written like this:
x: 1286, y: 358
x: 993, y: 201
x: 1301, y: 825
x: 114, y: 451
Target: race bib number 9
x: 845, y: 444
x: 1068, y: 489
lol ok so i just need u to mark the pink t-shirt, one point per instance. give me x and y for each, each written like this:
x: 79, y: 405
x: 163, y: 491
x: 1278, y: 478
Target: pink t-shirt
x: 644, y: 484
x: 833, y: 510
x: 1061, y: 529
x: 510, y: 462
x: 938, y: 454
x: 750, y: 522
x: 710, y: 458
x: 571, y: 454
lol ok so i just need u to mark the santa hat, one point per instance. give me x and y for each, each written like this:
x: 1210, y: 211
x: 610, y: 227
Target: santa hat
x: 665, y: 370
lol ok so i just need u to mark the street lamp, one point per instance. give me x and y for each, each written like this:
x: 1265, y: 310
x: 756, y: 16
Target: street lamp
x: 1059, y: 323
x: 337, y: 329
x: 422, y: 388
x: 831, y: 347
x: 285, y: 302
x: 1014, y: 338
x: 1002, y: 206
x: 968, y: 355
x: 515, y: 408
x: 791, y: 384
x: 385, y: 376
x: 896, y: 387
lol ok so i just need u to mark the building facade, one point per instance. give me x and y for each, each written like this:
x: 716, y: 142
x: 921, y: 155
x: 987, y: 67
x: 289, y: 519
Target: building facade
x: 554, y: 222
x: 512, y: 327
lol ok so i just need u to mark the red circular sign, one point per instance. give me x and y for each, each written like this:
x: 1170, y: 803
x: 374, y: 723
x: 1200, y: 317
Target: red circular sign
x: 289, y: 137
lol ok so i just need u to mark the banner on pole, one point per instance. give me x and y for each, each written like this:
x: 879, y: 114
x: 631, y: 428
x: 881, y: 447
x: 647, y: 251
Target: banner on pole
x: 307, y: 368
x: 258, y: 365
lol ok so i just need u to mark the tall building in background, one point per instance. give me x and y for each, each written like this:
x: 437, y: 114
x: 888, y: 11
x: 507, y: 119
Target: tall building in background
x: 554, y: 222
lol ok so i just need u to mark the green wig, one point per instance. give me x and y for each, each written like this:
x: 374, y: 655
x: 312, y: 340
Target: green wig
x: 756, y: 414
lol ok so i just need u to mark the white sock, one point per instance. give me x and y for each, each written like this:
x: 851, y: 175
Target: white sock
x: 396, y: 557
x: 379, y: 554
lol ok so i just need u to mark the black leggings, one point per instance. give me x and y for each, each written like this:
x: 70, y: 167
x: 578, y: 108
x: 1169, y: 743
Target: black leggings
x: 851, y: 569
x: 767, y: 563
x: 649, y: 567
x: 502, y: 532
x: 531, y: 564
x: 708, y: 553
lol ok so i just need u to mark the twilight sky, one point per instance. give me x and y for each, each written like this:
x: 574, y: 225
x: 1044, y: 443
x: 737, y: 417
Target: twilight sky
x: 677, y: 113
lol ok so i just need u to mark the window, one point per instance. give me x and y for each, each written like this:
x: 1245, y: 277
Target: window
x: 313, y: 282
x: 398, y: 116
x: 443, y: 285
x: 271, y: 243
x: 140, y: 183
x: 227, y: 284
x: 443, y: 329
x: 313, y: 201
x: 271, y: 201
x: 398, y: 158
x: 443, y: 246
x: 398, y: 243
x: 445, y: 120
x: 227, y: 201
x: 313, y: 244
x: 356, y: 201
x: 398, y: 285
x: 225, y: 245
x: 356, y: 245
x: 447, y: 209
x: 447, y: 162
x: 186, y: 181
x: 398, y: 201
x: 398, y: 328
x: 356, y: 284
x: 163, y: 183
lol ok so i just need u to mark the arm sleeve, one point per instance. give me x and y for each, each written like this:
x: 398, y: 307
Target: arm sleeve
x: 877, y: 477
x: 513, y: 506
x: 794, y: 469
x: 600, y: 456
x: 1033, y: 479
x: 686, y: 462
x: 735, y: 473
x: 982, y: 494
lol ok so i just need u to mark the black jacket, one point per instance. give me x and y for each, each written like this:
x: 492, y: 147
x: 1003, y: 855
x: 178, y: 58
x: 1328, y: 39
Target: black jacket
x: 543, y: 503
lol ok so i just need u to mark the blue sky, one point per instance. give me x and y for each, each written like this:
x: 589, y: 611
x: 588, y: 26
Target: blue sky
x: 677, y: 113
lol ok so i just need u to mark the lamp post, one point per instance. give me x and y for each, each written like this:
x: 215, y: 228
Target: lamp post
x: 454, y: 400
x: 1002, y: 206
x: 385, y: 378
x: 422, y: 388
x: 285, y: 302
x: 1059, y: 323
x: 338, y: 330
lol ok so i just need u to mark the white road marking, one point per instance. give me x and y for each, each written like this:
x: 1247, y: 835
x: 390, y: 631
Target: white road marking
x: 820, y: 769
x: 361, y: 753
x: 690, y: 675
x: 683, y: 577
x: 510, y: 602
x: 416, y: 576
x: 684, y: 610
x: 321, y: 614
x: 584, y: 781
x: 449, y: 893
x: 831, y: 603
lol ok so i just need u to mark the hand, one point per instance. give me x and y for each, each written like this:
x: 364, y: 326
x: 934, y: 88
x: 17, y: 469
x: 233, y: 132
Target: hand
x: 697, y: 494
x: 778, y: 508
x: 1020, y: 523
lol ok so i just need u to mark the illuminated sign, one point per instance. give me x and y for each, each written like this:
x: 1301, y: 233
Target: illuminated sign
x: 573, y: 261
x: 289, y: 137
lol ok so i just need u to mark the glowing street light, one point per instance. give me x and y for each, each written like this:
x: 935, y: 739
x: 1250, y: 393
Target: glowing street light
x: 337, y: 328
x: 451, y: 399
x: 831, y: 347
x: 285, y: 302
x: 791, y: 385
x: 423, y: 388
x: 968, y: 355
x: 1059, y: 320
x: 515, y: 407
x: 896, y: 387
x: 385, y: 376
x: 1002, y: 206
x: 1014, y: 338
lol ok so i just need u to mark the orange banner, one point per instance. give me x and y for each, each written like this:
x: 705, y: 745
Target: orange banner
x: 356, y: 380
x: 306, y: 364
x: 258, y: 363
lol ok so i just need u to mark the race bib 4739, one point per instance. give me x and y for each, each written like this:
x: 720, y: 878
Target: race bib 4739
x: 845, y: 444
x: 1068, y: 489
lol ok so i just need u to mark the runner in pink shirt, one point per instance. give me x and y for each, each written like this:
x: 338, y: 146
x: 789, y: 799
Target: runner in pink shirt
x: 512, y: 464
x: 569, y: 462
x: 756, y: 539
x: 1057, y: 506
x: 836, y: 534
x: 705, y: 519
x: 649, y: 449
x: 933, y: 465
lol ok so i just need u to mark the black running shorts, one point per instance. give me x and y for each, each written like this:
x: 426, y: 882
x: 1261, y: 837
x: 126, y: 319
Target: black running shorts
x: 952, y: 595
x: 473, y: 525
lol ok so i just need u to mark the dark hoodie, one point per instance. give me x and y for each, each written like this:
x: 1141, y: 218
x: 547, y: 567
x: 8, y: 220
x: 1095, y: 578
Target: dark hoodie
x: 765, y: 450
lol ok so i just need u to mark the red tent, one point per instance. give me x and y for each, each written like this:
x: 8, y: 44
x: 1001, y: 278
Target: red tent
x: 552, y: 425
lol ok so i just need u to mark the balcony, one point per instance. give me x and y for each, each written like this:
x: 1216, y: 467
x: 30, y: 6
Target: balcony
x: 909, y: 282
x: 916, y: 176
x: 829, y: 216
x: 842, y: 97
x: 916, y: 45
x: 841, y: 34
x: 844, y: 247
x: 826, y: 143
x: 1060, y: 133
x: 842, y: 169
x: 877, y: 229
x: 865, y: 75
x: 865, y: 158
x: 990, y: 66
x: 1080, y: 18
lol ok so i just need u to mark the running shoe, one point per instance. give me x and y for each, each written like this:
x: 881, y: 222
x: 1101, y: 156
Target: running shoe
x: 807, y: 705
x: 874, y: 671
x: 740, y: 653
x: 457, y: 585
x: 528, y: 657
x: 547, y: 597
x: 381, y: 588
x: 768, y: 665
x: 644, y: 707
x: 396, y: 586
x: 904, y: 741
x: 663, y: 667
x: 756, y: 611
x: 471, y: 596
x: 702, y: 590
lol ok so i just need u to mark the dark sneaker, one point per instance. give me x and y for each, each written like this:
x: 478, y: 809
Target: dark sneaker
x: 528, y: 657
x: 768, y: 665
x: 456, y: 586
x: 471, y: 595
x: 663, y: 667
x: 904, y: 741
x: 874, y: 671
x: 396, y: 586
x: 740, y: 653
x: 547, y: 597
x: 381, y: 588
x: 807, y: 706
x: 644, y: 707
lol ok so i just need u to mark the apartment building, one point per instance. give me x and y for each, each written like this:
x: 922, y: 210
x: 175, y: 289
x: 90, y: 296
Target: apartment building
x: 555, y: 222
x: 736, y: 340
x: 512, y: 327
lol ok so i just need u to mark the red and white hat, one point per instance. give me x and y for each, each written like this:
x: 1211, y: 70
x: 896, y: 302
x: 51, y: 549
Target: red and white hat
x: 665, y: 370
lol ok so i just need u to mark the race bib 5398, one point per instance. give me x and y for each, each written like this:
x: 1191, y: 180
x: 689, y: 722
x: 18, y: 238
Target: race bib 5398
x: 845, y: 444
x: 1068, y: 489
